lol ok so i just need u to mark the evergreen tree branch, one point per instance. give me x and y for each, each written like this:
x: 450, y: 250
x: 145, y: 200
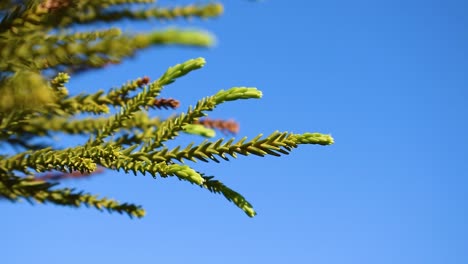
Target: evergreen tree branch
x: 119, y: 95
x: 43, y: 125
x: 82, y: 158
x: 146, y: 97
x: 275, y: 144
x: 34, y: 16
x: 15, y: 188
x: 94, y: 11
x: 170, y: 128
x: 189, y: 11
x: 216, y: 186
x: 80, y: 55
x: 35, y: 42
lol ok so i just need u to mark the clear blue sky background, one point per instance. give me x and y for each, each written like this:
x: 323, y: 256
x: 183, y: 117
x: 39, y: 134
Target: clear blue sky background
x: 386, y: 78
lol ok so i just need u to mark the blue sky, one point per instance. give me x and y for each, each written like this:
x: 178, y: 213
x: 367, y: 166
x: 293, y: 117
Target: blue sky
x: 386, y: 78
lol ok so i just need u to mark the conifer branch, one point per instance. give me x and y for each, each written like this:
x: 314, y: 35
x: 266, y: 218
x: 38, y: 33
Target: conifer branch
x: 43, y: 125
x: 146, y: 96
x: 97, y: 11
x: 58, y: 84
x: 182, y: 172
x: 275, y: 144
x: 15, y: 188
x: 170, y: 128
x: 96, y: 103
x: 35, y: 16
x: 36, y: 44
x: 189, y: 11
x: 82, y: 158
x: 216, y: 186
x: 76, y: 55
x: 138, y: 162
x: 120, y: 95
x: 86, y: 36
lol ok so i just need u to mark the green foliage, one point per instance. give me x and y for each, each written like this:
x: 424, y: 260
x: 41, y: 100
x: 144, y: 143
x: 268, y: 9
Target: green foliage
x: 40, y: 50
